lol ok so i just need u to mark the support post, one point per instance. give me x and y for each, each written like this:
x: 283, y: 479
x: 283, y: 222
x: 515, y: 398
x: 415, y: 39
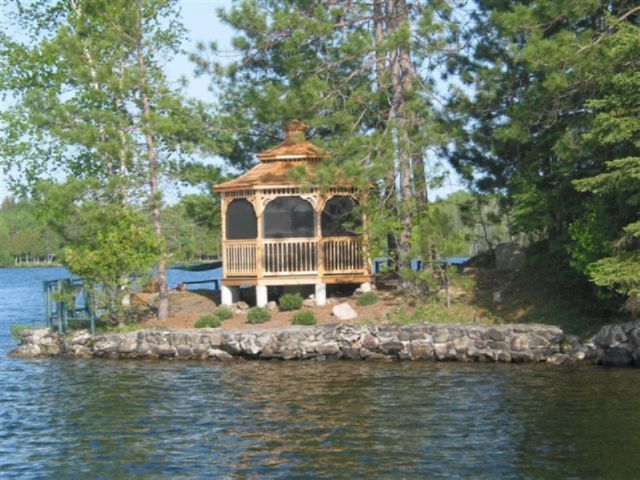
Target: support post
x: 229, y: 295
x: 261, y: 295
x: 321, y: 294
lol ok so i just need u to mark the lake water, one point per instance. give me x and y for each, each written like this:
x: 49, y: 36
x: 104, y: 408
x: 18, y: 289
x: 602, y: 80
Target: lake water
x: 71, y: 418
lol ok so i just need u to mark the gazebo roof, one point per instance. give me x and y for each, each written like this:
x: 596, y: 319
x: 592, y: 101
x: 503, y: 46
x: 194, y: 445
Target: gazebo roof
x: 277, y: 163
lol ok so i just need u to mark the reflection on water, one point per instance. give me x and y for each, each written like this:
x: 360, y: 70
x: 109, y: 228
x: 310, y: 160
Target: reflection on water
x: 69, y: 418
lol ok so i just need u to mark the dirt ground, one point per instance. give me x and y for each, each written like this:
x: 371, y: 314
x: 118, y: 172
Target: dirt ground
x: 481, y: 295
x: 185, y: 308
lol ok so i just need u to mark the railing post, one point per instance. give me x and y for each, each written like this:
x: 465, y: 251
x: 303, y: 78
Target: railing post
x: 260, y: 267
x: 47, y: 307
x: 319, y: 241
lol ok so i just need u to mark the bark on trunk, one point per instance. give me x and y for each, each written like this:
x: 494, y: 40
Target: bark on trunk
x: 398, y: 18
x: 381, y: 21
x: 154, y: 192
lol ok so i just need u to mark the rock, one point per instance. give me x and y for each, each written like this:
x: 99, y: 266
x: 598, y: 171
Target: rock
x: 559, y: 359
x: 618, y: 356
x: 365, y: 287
x: 308, y: 302
x: 344, y: 312
x: 272, y: 306
x: 241, y: 307
x: 469, y: 270
x: 218, y: 354
x: 497, y: 296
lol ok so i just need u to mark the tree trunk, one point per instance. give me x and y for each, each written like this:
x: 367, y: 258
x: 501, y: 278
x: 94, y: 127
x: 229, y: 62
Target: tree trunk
x: 152, y: 159
x: 380, y: 22
x: 398, y: 18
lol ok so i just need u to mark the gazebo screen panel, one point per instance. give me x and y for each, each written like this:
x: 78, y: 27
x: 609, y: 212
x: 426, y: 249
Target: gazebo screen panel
x: 289, y: 217
x: 340, y: 218
x: 241, y: 222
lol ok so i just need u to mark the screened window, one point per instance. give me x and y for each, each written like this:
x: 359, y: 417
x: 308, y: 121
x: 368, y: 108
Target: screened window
x: 289, y: 217
x: 241, y: 221
x: 340, y: 218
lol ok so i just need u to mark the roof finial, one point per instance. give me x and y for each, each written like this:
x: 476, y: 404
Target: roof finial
x: 294, y: 132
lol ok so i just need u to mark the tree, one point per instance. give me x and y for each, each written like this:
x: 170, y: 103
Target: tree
x: 548, y: 84
x: 617, y: 125
x: 91, y: 101
x: 121, y: 248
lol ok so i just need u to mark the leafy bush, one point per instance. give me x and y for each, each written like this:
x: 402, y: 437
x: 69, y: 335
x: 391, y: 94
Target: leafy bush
x: 367, y: 298
x: 223, y: 313
x: 208, y: 321
x: 290, y: 301
x: 305, y: 317
x: 258, y: 315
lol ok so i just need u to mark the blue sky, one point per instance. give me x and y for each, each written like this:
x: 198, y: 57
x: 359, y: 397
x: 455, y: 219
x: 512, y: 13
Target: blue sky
x: 201, y: 19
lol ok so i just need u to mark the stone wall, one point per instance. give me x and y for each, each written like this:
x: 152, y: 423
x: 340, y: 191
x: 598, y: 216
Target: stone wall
x: 615, y: 345
x: 505, y: 343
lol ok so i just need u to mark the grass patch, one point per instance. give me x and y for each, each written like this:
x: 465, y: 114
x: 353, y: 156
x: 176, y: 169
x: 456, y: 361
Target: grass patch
x: 258, y: 315
x: 127, y: 327
x: 223, y: 313
x: 290, y: 301
x: 208, y: 321
x: 306, y: 317
x: 367, y: 298
x: 16, y: 330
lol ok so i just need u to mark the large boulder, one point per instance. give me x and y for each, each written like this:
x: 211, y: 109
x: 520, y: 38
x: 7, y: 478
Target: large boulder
x: 344, y: 312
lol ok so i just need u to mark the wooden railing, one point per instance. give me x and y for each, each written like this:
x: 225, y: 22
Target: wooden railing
x: 342, y: 255
x: 294, y: 256
x: 240, y: 257
x: 288, y: 256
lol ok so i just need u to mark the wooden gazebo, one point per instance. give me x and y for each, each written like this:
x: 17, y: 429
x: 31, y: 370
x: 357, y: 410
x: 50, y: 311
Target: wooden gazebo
x: 275, y: 233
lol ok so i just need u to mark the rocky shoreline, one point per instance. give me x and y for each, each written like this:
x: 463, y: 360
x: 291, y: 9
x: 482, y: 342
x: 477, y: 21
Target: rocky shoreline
x: 615, y: 345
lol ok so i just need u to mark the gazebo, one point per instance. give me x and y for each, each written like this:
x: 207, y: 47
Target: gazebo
x: 277, y: 233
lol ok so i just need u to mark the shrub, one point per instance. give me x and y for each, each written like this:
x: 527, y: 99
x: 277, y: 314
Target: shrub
x: 258, y: 315
x: 208, y: 321
x: 16, y: 331
x: 367, y: 298
x: 290, y: 301
x: 305, y: 317
x: 223, y: 313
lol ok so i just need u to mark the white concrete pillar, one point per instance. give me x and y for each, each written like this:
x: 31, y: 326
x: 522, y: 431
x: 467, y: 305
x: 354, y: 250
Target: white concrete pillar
x: 229, y: 295
x: 321, y: 294
x: 261, y: 295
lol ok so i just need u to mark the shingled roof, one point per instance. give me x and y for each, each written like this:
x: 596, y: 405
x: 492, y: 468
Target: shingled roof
x: 276, y: 163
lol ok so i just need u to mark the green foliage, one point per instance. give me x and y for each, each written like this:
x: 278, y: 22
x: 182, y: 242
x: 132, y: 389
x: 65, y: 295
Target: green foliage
x: 17, y: 330
x: 290, y: 301
x: 258, y: 315
x: 115, y: 244
x: 208, y: 321
x: 563, y: 145
x: 367, y: 298
x: 305, y: 317
x: 223, y: 313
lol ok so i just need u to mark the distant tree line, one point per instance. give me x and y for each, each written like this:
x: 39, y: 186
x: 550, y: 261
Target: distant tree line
x: 25, y: 240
